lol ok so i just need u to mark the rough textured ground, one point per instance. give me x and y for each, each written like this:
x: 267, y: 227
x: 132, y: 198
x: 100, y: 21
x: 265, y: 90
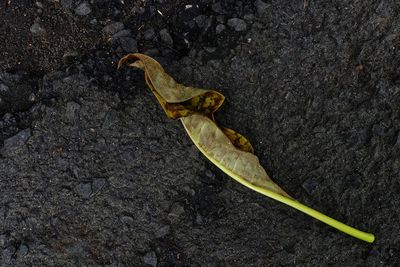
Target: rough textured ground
x: 92, y: 173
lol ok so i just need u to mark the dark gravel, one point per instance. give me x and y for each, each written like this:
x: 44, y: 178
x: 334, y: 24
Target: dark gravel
x: 92, y: 173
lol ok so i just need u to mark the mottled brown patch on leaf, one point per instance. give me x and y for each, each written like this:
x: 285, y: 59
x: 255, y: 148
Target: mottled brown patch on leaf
x: 176, y: 99
x: 238, y: 140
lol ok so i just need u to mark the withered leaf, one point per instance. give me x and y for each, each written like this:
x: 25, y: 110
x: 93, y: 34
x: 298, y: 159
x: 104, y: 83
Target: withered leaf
x: 224, y: 147
x: 176, y: 99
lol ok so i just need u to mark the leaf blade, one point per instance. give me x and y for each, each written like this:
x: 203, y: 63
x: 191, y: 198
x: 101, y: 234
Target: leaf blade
x: 228, y: 150
x: 217, y: 147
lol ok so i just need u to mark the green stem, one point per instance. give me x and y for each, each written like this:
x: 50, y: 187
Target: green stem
x: 368, y: 237
x: 290, y: 202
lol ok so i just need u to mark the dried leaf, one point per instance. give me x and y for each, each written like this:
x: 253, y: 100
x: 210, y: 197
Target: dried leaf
x: 176, y: 99
x: 217, y: 147
x: 228, y: 150
x: 195, y: 106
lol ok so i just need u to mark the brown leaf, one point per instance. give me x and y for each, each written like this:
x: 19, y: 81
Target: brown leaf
x: 217, y: 147
x: 176, y: 99
x: 227, y: 149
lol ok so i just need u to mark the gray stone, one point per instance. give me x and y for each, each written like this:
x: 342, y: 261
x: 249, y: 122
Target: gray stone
x: 123, y: 33
x: 149, y: 34
x: 238, y: 24
x: 166, y: 37
x: 17, y: 140
x: 37, y: 29
x: 190, y: 24
x: 113, y: 28
x: 71, y: 110
x: 176, y: 212
x: 2, y: 213
x: 84, y: 190
x: 398, y: 140
x: 208, y: 23
x: 111, y: 118
x: 83, y: 9
x: 217, y: 8
x: 249, y: 17
x: 209, y: 174
x: 3, y: 88
x: 39, y: 4
x: 199, y: 219
x: 128, y: 220
x: 261, y: 7
x: 150, y: 258
x: 98, y: 184
x: 310, y: 186
x: 201, y: 20
x: 220, y: 19
x: 162, y: 231
x: 209, y: 49
x: 128, y: 44
x: 220, y: 28
x: 22, y: 250
x: 69, y: 56
x: 7, y: 254
x: 78, y: 249
x: 152, y: 52
x: 2, y: 240
x: 67, y: 4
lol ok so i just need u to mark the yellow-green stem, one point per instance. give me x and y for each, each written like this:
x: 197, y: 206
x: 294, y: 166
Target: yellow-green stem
x: 292, y: 203
x: 368, y: 237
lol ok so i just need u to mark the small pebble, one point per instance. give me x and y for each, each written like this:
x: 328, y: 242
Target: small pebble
x: 38, y: 4
x: 70, y: 56
x: 2, y: 240
x: 128, y: 220
x: 128, y: 44
x: 84, y: 190
x: 238, y: 24
x: 150, y: 258
x: 201, y: 20
x: 113, y: 28
x: 98, y: 184
x: 71, y: 110
x: 22, y: 250
x: 217, y: 8
x: 210, y: 49
x: 398, y: 140
x: 249, y: 17
x: 83, y: 9
x: 310, y: 186
x: 17, y: 140
x: 149, y: 34
x: 199, y: 219
x: 66, y: 4
x: 120, y: 34
x: 32, y: 97
x: 152, y: 52
x: 261, y: 7
x: 166, y: 37
x: 37, y: 29
x: 220, y: 28
x: 209, y: 174
x: 176, y: 212
x: 7, y: 254
x: 3, y: 88
x: 163, y: 231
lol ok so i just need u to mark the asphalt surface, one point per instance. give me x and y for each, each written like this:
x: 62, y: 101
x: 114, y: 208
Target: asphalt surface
x: 92, y: 173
